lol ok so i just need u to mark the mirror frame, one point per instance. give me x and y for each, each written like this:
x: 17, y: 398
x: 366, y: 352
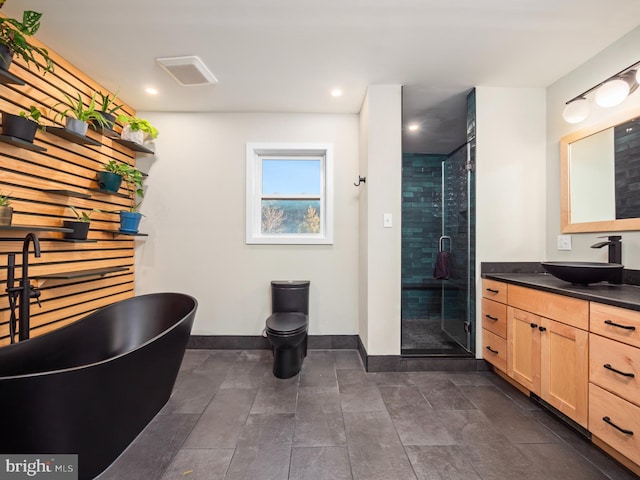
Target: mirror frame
x: 566, y: 226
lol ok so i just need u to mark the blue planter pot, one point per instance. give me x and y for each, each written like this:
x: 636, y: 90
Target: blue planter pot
x: 109, y: 181
x: 129, y: 221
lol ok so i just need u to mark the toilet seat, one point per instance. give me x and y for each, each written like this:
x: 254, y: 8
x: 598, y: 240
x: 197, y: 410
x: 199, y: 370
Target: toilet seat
x: 287, y: 323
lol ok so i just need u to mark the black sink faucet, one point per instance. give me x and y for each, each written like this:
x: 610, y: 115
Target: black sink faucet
x: 615, y: 247
x: 27, y: 292
x: 615, y: 252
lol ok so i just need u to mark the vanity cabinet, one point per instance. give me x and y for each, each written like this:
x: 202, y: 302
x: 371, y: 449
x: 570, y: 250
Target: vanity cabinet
x: 494, y: 323
x: 547, y: 347
x: 614, y: 376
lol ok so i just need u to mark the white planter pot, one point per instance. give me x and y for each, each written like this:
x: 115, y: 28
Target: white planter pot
x: 132, y: 136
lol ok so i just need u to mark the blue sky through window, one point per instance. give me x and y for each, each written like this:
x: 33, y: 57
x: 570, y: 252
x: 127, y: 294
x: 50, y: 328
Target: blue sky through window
x: 291, y: 177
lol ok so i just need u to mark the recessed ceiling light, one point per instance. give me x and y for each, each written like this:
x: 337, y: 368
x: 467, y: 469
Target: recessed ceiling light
x: 413, y: 127
x: 151, y: 91
x: 336, y: 92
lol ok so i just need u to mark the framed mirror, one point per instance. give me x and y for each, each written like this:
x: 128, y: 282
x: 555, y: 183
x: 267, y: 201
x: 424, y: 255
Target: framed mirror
x: 600, y: 176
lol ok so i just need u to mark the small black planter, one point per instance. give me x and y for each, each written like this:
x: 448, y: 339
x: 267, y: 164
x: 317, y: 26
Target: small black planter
x: 19, y: 127
x: 80, y: 230
x: 6, y: 57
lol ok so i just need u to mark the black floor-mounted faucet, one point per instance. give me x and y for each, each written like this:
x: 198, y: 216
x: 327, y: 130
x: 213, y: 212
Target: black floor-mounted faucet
x: 24, y: 292
x: 615, y: 252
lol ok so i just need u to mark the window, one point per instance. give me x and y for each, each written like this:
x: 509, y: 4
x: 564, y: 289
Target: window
x: 289, y: 193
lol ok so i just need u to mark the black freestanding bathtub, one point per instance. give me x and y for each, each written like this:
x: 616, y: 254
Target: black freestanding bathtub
x: 91, y: 387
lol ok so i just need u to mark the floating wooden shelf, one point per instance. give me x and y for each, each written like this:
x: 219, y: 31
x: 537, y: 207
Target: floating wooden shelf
x: 133, y: 145
x: 18, y: 142
x: 6, y: 78
x: 68, y: 193
x: 94, y: 272
x: 32, y: 228
x: 72, y: 136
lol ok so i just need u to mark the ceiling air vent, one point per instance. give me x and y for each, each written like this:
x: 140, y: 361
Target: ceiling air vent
x: 188, y: 71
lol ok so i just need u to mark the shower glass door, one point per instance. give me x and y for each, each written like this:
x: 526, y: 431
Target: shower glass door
x: 458, y: 224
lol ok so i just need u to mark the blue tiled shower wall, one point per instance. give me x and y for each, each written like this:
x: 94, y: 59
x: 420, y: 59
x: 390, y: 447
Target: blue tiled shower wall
x: 421, y: 227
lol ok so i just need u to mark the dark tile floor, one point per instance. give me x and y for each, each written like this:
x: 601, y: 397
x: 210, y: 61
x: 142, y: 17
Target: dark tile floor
x: 229, y: 417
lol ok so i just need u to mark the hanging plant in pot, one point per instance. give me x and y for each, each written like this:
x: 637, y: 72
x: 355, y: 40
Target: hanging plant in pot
x: 13, y: 42
x: 77, y: 116
x: 80, y: 226
x: 23, y: 125
x: 137, y: 129
x: 6, y: 210
x: 130, y: 218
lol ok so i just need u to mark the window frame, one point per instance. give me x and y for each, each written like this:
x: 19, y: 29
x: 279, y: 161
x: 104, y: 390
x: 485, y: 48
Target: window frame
x: 255, y: 153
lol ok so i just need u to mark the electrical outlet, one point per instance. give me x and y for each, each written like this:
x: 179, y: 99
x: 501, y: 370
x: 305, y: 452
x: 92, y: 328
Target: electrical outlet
x: 564, y: 242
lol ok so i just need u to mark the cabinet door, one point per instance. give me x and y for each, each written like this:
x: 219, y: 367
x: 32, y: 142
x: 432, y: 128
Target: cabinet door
x: 565, y: 369
x: 523, y: 348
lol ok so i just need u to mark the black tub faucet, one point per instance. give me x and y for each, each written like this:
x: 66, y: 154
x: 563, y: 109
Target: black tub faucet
x: 27, y: 292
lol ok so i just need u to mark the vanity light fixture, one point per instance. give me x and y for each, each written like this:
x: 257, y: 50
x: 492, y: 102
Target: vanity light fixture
x: 609, y: 93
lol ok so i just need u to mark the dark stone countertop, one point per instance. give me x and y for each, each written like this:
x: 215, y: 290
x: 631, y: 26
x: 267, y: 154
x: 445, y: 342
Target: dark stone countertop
x: 624, y: 296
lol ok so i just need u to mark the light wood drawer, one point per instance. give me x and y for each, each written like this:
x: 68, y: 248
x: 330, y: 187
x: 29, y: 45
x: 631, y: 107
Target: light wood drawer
x: 622, y: 373
x: 572, y: 311
x: 619, y: 412
x: 494, y: 290
x: 494, y: 317
x: 617, y: 323
x: 494, y: 349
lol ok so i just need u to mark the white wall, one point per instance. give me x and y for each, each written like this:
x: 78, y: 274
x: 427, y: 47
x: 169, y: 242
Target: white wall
x: 380, y: 272
x: 510, y: 179
x: 614, y: 58
x: 195, y: 216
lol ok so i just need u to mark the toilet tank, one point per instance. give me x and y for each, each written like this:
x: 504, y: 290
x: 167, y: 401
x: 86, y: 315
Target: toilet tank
x: 290, y: 296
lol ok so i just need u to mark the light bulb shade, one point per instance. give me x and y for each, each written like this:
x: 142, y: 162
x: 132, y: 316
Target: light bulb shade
x: 612, y: 93
x: 638, y: 76
x: 576, y: 111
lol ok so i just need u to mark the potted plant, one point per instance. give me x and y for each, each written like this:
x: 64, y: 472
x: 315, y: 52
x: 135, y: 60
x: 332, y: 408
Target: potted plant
x: 80, y: 226
x: 130, y: 218
x: 23, y: 125
x: 108, y: 108
x: 13, y: 41
x: 136, y: 129
x: 6, y: 210
x: 110, y: 178
x: 78, y: 115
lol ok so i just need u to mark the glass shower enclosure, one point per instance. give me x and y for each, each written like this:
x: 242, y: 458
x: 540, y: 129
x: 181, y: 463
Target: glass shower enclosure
x: 438, y: 225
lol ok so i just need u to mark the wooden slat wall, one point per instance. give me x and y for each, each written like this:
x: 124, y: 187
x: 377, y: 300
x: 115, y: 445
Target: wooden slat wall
x: 64, y: 166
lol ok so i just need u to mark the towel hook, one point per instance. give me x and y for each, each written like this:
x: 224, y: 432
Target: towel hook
x: 360, y: 180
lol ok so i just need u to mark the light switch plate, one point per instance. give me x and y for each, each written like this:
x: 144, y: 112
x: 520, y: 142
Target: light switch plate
x: 564, y: 242
x: 387, y: 221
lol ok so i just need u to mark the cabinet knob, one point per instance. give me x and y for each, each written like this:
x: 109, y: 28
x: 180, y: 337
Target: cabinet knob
x: 542, y: 329
x: 534, y: 325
